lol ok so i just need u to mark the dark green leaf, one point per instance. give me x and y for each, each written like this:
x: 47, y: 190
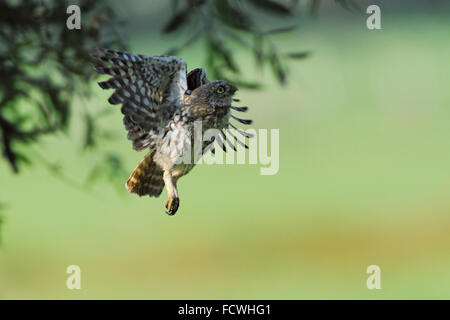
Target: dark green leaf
x: 258, y: 48
x: 177, y: 20
x: 298, y: 55
x: 281, y: 30
x: 272, y: 6
x: 233, y: 17
x: 349, y: 4
x: 277, y: 68
x: 224, y: 53
x: 246, y: 84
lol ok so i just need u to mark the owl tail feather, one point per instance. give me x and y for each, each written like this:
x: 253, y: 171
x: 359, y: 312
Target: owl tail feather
x: 146, y: 179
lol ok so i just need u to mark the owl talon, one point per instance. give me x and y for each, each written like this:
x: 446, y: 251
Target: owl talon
x: 172, y: 205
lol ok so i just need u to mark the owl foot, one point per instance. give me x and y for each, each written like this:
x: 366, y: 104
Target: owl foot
x: 172, y: 205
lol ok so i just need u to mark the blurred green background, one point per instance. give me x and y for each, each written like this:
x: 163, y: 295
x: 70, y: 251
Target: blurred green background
x: 364, y: 179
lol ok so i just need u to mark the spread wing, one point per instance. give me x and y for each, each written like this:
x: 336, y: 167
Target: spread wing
x: 196, y: 78
x: 150, y: 90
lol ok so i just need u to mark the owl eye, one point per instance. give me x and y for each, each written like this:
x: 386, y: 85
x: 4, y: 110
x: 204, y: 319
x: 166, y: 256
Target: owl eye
x: 220, y: 90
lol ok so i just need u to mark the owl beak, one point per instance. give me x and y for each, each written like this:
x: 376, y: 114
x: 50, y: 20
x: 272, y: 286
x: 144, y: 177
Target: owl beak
x: 233, y: 89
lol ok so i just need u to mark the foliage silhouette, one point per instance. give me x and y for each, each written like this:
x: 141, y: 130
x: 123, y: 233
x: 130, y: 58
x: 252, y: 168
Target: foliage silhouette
x: 45, y: 65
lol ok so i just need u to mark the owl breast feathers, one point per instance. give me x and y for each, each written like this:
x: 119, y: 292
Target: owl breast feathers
x: 160, y: 104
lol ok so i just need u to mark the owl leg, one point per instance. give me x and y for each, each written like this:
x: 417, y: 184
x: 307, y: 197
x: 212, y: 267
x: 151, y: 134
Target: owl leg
x: 172, y: 202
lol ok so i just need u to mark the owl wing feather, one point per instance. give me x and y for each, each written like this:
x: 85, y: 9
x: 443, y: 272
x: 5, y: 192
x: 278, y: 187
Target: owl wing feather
x: 196, y: 78
x: 150, y: 90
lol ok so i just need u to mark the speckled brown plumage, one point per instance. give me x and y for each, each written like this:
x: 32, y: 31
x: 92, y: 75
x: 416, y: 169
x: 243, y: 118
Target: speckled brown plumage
x: 161, y: 104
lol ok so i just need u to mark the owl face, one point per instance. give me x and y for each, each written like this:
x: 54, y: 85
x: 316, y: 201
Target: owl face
x: 214, y: 94
x: 210, y: 101
x: 220, y: 93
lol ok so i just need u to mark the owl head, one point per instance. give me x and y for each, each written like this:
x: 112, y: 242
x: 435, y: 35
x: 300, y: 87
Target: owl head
x: 215, y: 94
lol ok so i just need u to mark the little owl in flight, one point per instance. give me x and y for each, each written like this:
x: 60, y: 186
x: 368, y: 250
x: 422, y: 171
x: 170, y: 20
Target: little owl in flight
x: 161, y: 104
